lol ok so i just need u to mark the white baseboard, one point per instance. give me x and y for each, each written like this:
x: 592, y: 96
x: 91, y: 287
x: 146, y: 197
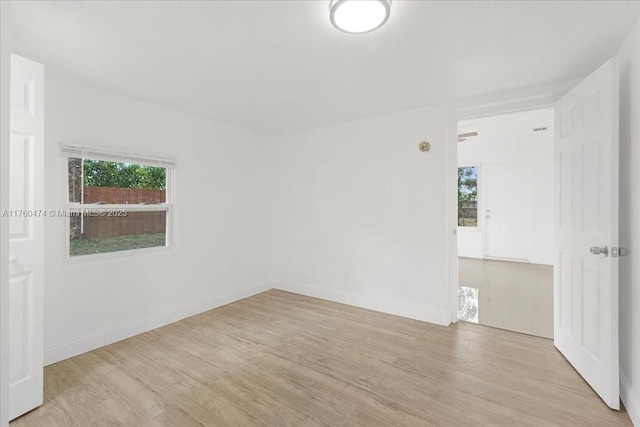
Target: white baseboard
x: 100, y: 339
x: 411, y: 311
x: 631, y: 399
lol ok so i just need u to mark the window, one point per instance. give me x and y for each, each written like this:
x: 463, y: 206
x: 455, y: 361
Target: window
x: 117, y: 202
x: 468, y: 196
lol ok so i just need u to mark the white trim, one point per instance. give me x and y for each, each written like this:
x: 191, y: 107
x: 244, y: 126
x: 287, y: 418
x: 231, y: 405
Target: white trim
x: 630, y: 398
x: 168, y: 206
x: 411, y: 311
x: 114, y: 255
x: 5, y: 84
x: 451, y: 245
x: 530, y: 99
x: 124, y: 156
x: 96, y: 340
x: 495, y: 258
x: 105, y: 207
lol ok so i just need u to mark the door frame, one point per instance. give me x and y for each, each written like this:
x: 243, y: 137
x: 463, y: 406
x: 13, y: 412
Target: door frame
x: 534, y: 99
x: 5, y: 100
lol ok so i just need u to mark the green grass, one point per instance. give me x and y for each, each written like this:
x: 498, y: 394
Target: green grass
x: 114, y: 244
x: 467, y: 222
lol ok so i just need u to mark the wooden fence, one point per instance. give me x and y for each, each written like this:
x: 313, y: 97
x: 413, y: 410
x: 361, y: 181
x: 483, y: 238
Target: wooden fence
x: 118, y: 196
x: 134, y: 223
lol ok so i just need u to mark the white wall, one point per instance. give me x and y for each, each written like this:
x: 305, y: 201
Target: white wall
x: 5, y: 71
x: 629, y: 58
x: 505, y: 139
x: 360, y: 214
x: 471, y: 241
x: 353, y: 212
x: 219, y: 235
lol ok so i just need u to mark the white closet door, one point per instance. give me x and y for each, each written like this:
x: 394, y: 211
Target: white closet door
x: 26, y: 242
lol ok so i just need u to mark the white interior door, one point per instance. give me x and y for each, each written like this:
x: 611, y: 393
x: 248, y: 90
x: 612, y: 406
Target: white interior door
x: 507, y: 210
x: 586, y: 191
x: 26, y: 236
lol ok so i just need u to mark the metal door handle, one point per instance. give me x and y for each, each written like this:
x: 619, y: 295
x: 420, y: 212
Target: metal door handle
x: 616, y: 252
x: 600, y: 250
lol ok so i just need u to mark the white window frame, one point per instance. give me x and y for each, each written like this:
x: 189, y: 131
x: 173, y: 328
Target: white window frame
x: 92, y: 153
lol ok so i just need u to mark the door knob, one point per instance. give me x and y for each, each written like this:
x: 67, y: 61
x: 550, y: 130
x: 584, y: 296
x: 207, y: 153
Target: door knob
x: 600, y: 250
x: 616, y: 252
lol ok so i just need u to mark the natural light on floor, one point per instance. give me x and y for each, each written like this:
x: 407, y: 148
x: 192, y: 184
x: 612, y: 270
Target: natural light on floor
x: 468, y: 304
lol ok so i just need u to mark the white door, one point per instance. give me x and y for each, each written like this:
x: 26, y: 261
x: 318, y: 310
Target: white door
x: 26, y: 236
x: 507, y: 211
x: 586, y: 219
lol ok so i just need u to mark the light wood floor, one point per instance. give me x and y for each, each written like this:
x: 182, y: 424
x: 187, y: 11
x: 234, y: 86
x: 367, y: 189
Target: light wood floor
x: 281, y: 359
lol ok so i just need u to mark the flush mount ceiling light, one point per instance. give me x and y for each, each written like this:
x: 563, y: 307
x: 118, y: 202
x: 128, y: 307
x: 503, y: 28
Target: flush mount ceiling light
x: 359, y: 16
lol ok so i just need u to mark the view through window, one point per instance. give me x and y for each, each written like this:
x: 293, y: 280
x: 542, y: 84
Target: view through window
x: 468, y: 196
x: 116, y: 206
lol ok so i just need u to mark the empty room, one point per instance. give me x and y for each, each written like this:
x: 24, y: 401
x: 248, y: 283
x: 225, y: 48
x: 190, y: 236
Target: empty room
x: 505, y: 221
x: 321, y: 212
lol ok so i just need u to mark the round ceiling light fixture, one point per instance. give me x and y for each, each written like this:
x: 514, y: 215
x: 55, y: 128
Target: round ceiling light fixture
x: 359, y: 16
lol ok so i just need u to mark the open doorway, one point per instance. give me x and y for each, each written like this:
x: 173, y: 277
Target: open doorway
x: 505, y: 221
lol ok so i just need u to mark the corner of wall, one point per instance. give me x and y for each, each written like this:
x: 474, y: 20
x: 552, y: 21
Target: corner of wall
x: 397, y: 308
x: 99, y: 339
x: 268, y: 211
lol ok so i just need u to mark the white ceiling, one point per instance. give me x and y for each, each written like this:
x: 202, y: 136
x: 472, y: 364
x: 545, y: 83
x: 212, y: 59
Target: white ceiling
x: 279, y: 66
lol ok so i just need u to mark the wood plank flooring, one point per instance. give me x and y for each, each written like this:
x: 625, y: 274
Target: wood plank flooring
x: 281, y: 359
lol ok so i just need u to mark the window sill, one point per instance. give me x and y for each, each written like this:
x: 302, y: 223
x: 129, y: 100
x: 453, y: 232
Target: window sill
x: 117, y: 255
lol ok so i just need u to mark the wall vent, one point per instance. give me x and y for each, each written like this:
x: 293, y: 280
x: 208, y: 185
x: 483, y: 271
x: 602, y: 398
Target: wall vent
x: 464, y: 136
